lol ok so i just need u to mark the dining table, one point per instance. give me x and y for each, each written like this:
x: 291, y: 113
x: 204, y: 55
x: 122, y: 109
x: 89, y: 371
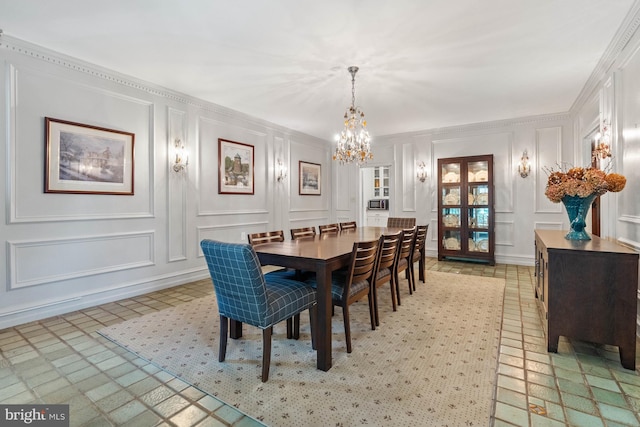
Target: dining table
x: 322, y: 254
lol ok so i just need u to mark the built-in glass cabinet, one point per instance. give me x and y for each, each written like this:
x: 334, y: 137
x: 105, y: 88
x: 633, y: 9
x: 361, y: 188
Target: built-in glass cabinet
x: 465, y: 208
x: 381, y: 181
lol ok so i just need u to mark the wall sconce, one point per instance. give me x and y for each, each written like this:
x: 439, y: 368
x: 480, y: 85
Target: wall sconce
x: 281, y: 171
x: 524, y: 167
x: 602, y: 145
x: 422, y: 172
x: 182, y: 159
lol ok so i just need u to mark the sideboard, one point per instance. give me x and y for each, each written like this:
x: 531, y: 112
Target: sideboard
x: 587, y: 290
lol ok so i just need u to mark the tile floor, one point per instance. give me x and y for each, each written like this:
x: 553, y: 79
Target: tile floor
x: 64, y: 360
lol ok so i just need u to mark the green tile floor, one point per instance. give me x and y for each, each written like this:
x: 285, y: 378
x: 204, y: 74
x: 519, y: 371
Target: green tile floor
x: 64, y: 360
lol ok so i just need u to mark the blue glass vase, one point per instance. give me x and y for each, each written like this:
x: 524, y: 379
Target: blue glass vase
x: 577, y: 208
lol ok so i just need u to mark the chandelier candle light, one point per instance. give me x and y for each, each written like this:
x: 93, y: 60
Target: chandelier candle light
x: 354, y: 141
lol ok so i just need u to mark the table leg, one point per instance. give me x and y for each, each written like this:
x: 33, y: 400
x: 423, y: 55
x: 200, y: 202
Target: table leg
x: 323, y: 341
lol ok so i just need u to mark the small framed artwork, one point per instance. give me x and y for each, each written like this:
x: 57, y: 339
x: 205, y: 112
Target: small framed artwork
x: 84, y: 159
x: 310, y: 179
x: 235, y: 167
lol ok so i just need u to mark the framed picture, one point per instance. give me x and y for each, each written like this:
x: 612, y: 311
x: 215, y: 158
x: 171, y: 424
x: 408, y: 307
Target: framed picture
x: 310, y: 179
x: 87, y: 159
x: 235, y: 166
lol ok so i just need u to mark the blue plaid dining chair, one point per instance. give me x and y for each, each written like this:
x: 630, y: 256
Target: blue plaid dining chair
x: 244, y: 294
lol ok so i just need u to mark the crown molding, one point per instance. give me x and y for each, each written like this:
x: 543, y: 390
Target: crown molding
x: 623, y: 35
x: 484, y: 126
x: 41, y: 53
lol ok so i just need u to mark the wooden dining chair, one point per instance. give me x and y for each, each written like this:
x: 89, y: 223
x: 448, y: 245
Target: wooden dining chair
x: 397, y: 222
x: 266, y: 237
x: 419, y: 253
x: 245, y: 295
x: 299, y: 233
x: 354, y: 284
x: 350, y: 225
x: 404, y: 259
x: 329, y: 228
x: 385, y: 269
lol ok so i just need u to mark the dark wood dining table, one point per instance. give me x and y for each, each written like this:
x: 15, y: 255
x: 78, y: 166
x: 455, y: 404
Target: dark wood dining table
x: 321, y: 254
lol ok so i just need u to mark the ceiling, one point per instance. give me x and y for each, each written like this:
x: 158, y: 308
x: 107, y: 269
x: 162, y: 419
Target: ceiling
x: 423, y: 64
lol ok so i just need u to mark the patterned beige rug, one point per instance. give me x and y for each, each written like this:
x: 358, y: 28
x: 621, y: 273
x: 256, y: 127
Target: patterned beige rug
x: 433, y: 362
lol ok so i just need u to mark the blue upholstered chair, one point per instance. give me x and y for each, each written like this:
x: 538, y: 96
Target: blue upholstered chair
x: 244, y: 294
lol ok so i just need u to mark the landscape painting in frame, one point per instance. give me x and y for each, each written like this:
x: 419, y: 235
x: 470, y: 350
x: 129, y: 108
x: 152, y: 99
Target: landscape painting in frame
x: 310, y: 179
x: 87, y: 159
x: 235, y: 165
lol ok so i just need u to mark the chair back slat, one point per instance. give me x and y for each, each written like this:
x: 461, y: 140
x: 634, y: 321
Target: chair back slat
x: 299, y: 233
x: 406, y: 247
x: 350, y: 225
x: 363, y: 260
x: 389, y: 250
x: 266, y: 237
x: 329, y: 228
x: 420, y: 240
x: 238, y: 281
x: 397, y: 222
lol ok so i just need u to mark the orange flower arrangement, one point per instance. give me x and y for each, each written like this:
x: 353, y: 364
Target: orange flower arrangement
x: 581, y: 182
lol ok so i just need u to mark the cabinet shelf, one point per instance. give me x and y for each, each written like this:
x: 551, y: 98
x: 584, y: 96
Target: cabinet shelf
x: 465, y: 208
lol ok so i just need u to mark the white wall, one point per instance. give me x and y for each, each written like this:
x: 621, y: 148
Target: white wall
x: 613, y: 94
x: 63, y: 252
x: 520, y: 204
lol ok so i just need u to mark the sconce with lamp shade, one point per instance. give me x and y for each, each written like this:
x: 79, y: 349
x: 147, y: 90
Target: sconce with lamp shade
x: 524, y: 167
x: 181, y: 160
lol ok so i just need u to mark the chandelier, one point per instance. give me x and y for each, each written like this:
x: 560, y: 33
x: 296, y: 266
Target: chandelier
x: 353, y: 142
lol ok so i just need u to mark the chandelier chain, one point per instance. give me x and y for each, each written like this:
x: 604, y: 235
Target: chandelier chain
x: 354, y: 140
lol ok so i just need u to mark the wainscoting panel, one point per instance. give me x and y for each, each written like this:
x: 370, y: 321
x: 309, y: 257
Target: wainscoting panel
x: 177, y: 188
x: 37, y: 262
x: 37, y: 91
x: 505, y: 233
x: 209, y: 130
x: 498, y: 144
x: 408, y: 180
x: 545, y: 225
x: 548, y: 152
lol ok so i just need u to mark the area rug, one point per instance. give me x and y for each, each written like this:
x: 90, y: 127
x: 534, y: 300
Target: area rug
x: 432, y: 362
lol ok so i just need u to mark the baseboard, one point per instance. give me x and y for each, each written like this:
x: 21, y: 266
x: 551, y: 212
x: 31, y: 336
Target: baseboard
x: 25, y: 314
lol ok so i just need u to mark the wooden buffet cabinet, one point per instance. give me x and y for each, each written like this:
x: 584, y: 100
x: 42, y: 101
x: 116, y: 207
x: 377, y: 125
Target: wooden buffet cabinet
x: 587, y: 290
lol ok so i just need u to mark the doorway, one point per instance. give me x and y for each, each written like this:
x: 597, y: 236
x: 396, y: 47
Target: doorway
x: 375, y: 184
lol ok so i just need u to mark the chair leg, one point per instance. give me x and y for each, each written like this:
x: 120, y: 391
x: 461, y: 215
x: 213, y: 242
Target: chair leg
x: 409, y: 274
x: 412, y: 276
x: 421, y: 265
x: 347, y: 326
x: 296, y: 326
x: 266, y: 352
x: 376, y: 313
x: 313, y: 322
x: 397, y: 287
x: 289, y: 328
x: 224, y: 333
x: 392, y: 287
x: 372, y: 314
